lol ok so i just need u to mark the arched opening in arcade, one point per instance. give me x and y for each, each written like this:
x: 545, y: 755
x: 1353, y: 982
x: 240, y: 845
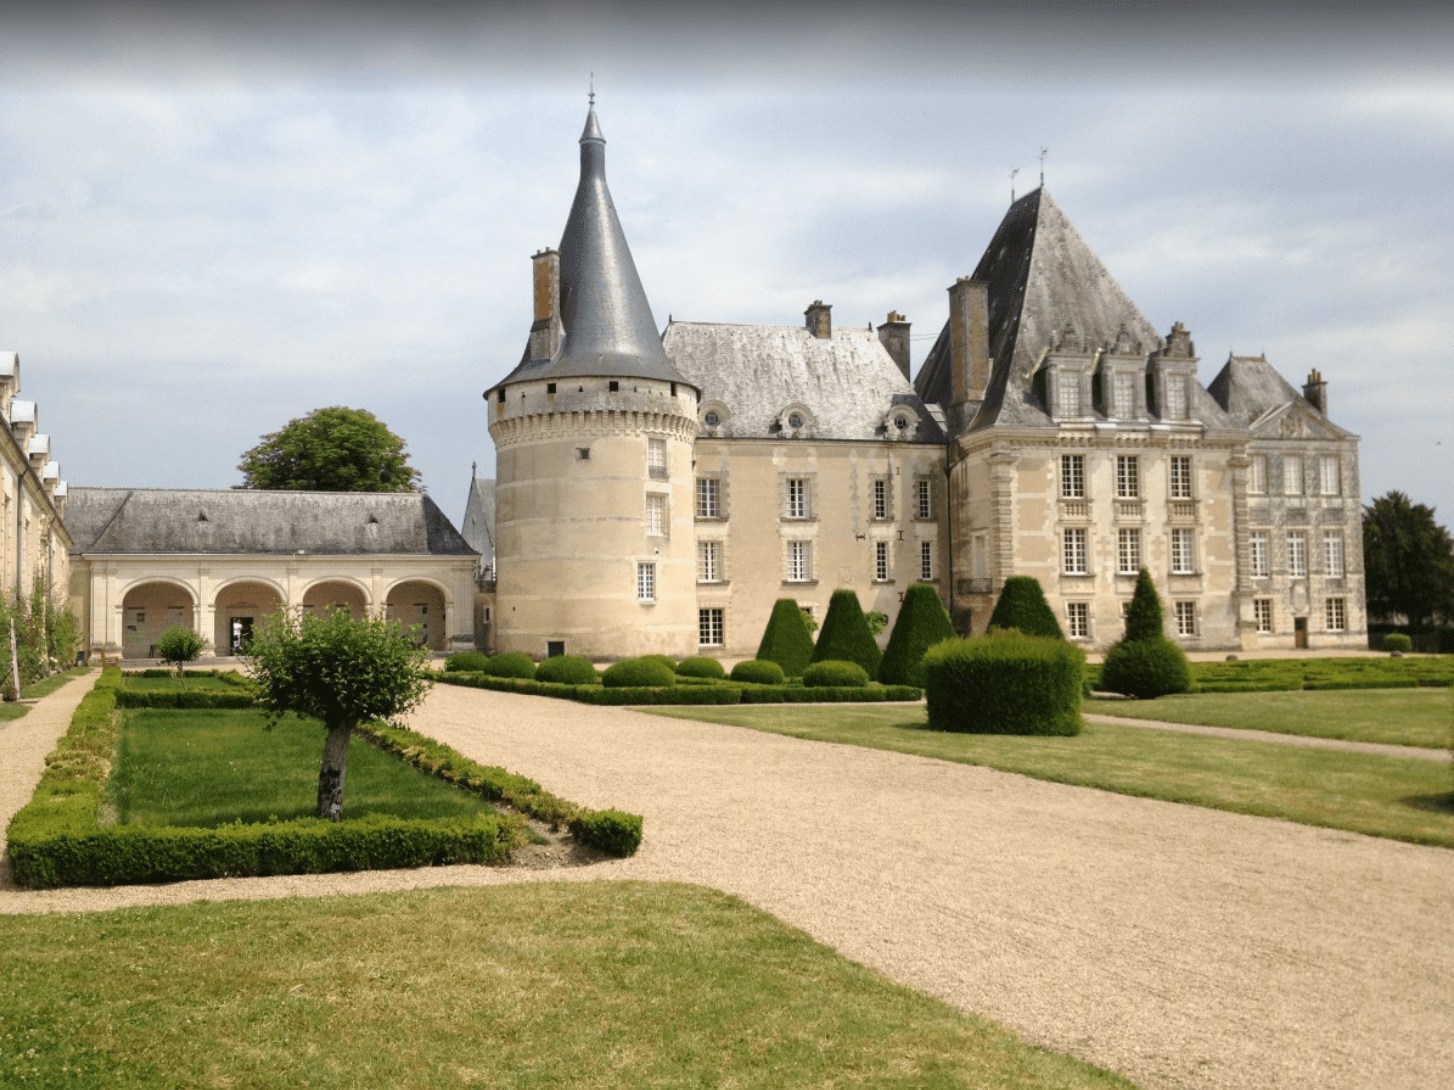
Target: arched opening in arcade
x: 240, y: 608
x: 322, y: 597
x: 147, y: 611
x: 420, y: 606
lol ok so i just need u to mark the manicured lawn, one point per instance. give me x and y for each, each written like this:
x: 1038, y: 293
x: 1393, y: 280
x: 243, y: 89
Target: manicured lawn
x: 1401, y: 798
x: 207, y: 768
x: 1405, y: 717
x: 600, y: 985
x: 36, y: 690
x: 175, y: 684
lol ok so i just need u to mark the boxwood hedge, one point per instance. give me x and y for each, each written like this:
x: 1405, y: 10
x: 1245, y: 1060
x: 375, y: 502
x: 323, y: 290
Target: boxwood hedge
x: 1005, y: 683
x: 568, y: 670
x: 839, y: 675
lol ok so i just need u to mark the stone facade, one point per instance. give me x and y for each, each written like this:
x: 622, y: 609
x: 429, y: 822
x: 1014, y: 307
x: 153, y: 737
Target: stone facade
x: 34, y: 541
x: 1051, y: 432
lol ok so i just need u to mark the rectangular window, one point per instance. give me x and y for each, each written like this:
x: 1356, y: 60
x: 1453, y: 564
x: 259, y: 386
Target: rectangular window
x: 1123, y: 396
x: 1297, y: 554
x: 656, y: 515
x: 1077, y: 620
x: 1332, y: 482
x: 1128, y: 477
x: 1075, y: 551
x: 926, y: 561
x: 1067, y: 393
x: 800, y: 561
x: 1186, y: 618
x: 1183, y: 552
x: 1257, y: 550
x: 709, y: 628
x: 1336, y: 614
x: 656, y: 458
x: 646, y: 581
x: 1072, y: 476
x: 1175, y: 396
x: 1257, y: 475
x: 1180, y: 477
x: 709, y: 562
x: 709, y: 498
x: 1262, y: 614
x: 1292, y: 476
x: 925, y: 497
x: 880, y: 498
x: 881, y: 561
x: 1128, y: 550
x: 797, y: 498
x: 1333, y: 554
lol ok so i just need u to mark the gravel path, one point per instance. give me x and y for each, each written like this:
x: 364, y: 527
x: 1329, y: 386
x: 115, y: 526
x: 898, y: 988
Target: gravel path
x: 1379, y: 749
x: 1183, y: 947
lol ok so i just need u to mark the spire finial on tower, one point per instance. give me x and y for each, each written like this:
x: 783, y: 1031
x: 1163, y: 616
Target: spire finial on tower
x: 592, y: 96
x: 1013, y: 172
x: 1044, y: 151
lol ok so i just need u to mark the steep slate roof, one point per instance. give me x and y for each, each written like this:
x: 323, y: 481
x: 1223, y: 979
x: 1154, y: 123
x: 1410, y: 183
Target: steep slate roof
x: 847, y: 382
x: 478, y: 527
x: 1250, y: 390
x: 233, y: 521
x: 1043, y: 280
x: 609, y: 329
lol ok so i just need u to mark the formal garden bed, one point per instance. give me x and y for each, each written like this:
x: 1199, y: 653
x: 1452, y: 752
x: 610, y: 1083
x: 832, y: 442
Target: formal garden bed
x: 162, y: 795
x: 1270, y: 675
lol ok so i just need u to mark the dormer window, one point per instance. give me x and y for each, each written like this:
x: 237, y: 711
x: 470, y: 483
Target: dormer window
x: 1123, y: 396
x: 1175, y: 397
x: 1067, y: 393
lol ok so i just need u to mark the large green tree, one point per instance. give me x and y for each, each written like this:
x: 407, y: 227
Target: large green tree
x: 1408, y: 561
x: 340, y: 671
x: 330, y: 450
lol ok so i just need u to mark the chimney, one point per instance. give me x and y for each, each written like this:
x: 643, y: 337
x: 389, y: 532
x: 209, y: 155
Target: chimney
x: 9, y: 376
x: 894, y: 336
x: 969, y: 304
x: 1316, y: 391
x: 820, y: 319
x: 545, y: 333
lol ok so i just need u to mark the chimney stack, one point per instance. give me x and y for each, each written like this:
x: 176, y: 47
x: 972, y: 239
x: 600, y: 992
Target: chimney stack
x: 820, y: 319
x: 969, y: 305
x: 894, y: 335
x: 545, y: 333
x: 1316, y: 391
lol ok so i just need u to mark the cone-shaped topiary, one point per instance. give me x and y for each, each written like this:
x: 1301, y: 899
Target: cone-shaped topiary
x: 845, y: 637
x: 922, y: 622
x: 1022, y: 606
x: 786, y: 640
x: 1145, y: 664
x: 1144, y: 618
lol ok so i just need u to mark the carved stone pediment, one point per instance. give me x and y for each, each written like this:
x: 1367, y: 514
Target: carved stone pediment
x: 1292, y: 422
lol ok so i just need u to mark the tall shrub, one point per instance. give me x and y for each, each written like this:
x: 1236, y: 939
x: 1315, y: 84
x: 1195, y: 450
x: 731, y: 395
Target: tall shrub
x: 845, y: 636
x: 1022, y: 606
x: 786, y: 640
x: 1145, y: 663
x: 922, y: 622
x: 1004, y: 683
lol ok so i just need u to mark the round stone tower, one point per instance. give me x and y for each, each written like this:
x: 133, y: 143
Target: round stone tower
x: 593, y: 435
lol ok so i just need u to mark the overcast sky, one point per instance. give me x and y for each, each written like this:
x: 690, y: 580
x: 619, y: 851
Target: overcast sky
x: 210, y: 225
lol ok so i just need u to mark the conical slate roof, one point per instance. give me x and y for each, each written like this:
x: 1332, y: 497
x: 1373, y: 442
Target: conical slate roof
x: 1043, y: 281
x: 609, y: 329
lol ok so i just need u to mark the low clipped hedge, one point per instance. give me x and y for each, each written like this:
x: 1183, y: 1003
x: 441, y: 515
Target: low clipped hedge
x: 1398, y: 641
x: 509, y: 664
x: 466, y: 661
x: 183, y: 698
x: 701, y: 666
x: 835, y: 674
x: 647, y: 672
x: 568, y: 670
x: 758, y: 672
x: 703, y: 692
x: 1005, y: 683
x: 802, y: 694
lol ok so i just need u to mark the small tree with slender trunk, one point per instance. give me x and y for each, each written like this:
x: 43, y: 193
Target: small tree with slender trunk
x: 177, y: 646
x: 340, y: 671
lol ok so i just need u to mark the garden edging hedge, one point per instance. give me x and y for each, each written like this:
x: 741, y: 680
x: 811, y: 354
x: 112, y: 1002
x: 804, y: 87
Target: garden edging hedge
x: 705, y: 692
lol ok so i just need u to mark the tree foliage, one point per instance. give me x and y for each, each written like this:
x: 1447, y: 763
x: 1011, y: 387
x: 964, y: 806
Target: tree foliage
x: 179, y: 645
x: 330, y: 450
x: 46, y: 636
x: 1408, y: 561
x: 338, y: 670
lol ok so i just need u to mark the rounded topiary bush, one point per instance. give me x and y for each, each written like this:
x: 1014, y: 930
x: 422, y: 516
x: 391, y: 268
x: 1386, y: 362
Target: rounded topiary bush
x: 758, y: 672
x: 1145, y: 668
x: 567, y: 670
x: 1397, y: 641
x: 647, y: 672
x: 1004, y: 683
x: 509, y: 664
x: 702, y: 666
x: 922, y: 622
x: 468, y: 662
x: 843, y: 675
x: 666, y: 660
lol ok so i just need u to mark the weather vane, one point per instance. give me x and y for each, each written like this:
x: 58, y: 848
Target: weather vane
x: 1043, y: 153
x: 1013, y: 172
x: 592, y: 95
